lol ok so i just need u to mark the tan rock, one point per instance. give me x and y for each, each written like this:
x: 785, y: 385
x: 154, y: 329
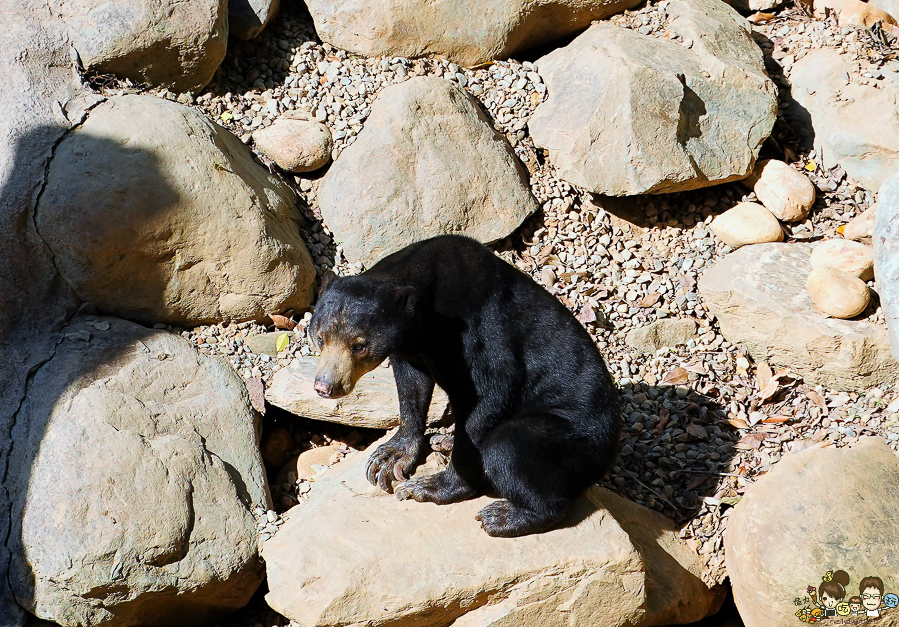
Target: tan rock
x: 354, y: 555
x: 301, y: 466
x: 747, y: 223
x: 165, y: 43
x: 837, y: 293
x: 786, y: 193
x: 667, y: 332
x: 132, y: 477
x: 759, y: 296
x: 154, y: 213
x: 373, y: 402
x: 295, y: 142
x: 861, y: 227
x: 851, y: 257
x: 457, y: 174
x: 816, y: 511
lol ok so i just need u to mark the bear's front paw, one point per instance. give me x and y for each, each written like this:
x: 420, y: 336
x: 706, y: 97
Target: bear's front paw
x: 441, y: 488
x: 392, y: 461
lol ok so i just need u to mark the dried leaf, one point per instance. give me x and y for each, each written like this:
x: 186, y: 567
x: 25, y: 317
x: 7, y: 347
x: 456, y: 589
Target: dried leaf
x: 770, y: 389
x: 586, y: 314
x: 649, y: 300
x: 697, y: 368
x: 736, y: 422
x: 731, y: 500
x: 811, y: 166
x: 763, y: 374
x: 283, y: 322
x: 750, y: 441
x: 777, y: 419
x: 760, y: 18
x: 817, y: 399
x: 698, y: 481
x: 676, y: 376
x: 697, y: 431
x: 282, y: 342
x: 841, y: 228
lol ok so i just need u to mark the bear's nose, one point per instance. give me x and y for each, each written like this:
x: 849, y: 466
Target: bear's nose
x: 323, y: 389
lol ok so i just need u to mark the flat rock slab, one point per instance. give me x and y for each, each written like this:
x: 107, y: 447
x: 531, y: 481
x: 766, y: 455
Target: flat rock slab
x: 373, y: 403
x: 468, y: 32
x: 853, y: 125
x: 354, y: 555
x: 886, y: 256
x: 132, y: 476
x: 759, y: 296
x: 427, y: 163
x: 816, y: 511
x: 630, y: 114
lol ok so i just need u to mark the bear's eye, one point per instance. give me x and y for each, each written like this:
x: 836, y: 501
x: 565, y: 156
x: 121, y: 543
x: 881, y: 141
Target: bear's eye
x: 359, y: 347
x: 321, y: 342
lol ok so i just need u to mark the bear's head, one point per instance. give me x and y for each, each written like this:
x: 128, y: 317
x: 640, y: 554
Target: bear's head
x: 358, y: 322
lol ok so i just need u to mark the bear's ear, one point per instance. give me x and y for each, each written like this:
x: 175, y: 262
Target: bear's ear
x: 407, y: 297
x: 326, y: 280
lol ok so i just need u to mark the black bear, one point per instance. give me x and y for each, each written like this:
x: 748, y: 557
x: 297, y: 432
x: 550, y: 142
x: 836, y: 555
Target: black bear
x: 537, y: 414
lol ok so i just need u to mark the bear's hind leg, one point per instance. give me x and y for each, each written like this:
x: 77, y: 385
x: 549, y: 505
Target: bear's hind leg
x: 539, y: 469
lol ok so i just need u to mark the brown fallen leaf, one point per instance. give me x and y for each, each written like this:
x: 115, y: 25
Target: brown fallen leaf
x: 763, y: 374
x: 697, y: 368
x: 676, y: 376
x: 697, y: 431
x: 751, y: 441
x: 698, y: 481
x: 777, y: 419
x: 283, y: 322
x: 817, y: 399
x: 649, y: 300
x: 760, y: 17
x: 736, y: 422
x: 770, y: 389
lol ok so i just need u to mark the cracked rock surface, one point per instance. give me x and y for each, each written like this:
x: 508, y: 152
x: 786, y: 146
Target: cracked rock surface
x: 133, y: 476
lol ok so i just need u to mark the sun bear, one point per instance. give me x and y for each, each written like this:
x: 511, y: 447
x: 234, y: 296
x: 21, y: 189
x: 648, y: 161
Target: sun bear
x: 537, y: 414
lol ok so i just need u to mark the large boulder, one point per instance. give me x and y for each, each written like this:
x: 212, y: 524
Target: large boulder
x: 886, y: 256
x: 132, y: 476
x: 247, y: 18
x: 851, y: 124
x: 630, y: 114
x: 839, y: 514
x: 373, y: 403
x: 157, y: 214
x: 468, y: 32
x: 355, y: 555
x: 428, y: 162
x: 758, y: 293
x: 165, y: 43
x: 40, y: 100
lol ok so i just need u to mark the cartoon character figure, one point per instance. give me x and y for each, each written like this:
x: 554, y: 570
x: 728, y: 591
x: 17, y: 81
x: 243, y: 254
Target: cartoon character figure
x: 890, y: 600
x: 855, y: 605
x: 832, y: 591
x: 871, y: 590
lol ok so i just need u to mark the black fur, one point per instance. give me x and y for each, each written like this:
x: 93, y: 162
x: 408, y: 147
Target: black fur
x: 537, y: 414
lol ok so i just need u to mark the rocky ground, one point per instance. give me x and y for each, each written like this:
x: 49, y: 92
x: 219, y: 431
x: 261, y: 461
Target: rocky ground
x: 702, y: 420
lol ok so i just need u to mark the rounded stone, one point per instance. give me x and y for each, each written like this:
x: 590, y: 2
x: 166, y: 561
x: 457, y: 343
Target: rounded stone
x: 837, y: 293
x: 782, y: 190
x: 851, y: 257
x: 861, y: 226
x: 296, y: 143
x: 747, y: 223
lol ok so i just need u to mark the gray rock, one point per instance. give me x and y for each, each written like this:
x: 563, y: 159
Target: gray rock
x: 467, y: 31
x: 456, y: 175
x: 886, y: 256
x: 630, y: 114
x: 616, y: 564
x: 853, y: 125
x: 265, y: 343
x: 247, y: 18
x: 132, y: 477
x: 759, y: 296
x: 890, y: 6
x: 165, y: 43
x: 661, y: 333
x: 296, y: 142
x: 782, y: 536
x: 372, y: 404
x: 181, y: 227
x: 39, y: 101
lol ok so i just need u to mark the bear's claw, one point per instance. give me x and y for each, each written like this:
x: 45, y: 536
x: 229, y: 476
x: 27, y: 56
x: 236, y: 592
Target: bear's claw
x: 390, y: 462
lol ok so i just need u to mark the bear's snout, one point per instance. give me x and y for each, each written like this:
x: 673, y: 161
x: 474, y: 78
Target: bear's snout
x: 324, y: 389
